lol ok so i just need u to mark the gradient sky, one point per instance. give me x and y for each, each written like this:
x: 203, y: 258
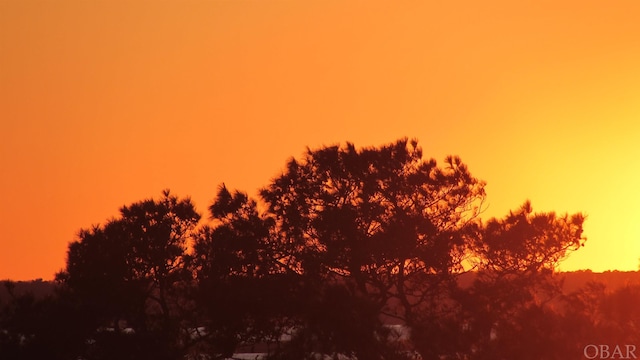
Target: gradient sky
x: 104, y: 103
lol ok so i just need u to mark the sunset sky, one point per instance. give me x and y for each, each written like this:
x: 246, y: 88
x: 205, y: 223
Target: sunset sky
x: 104, y: 103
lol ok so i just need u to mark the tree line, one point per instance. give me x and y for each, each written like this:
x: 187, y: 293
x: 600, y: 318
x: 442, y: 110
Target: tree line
x: 342, y: 244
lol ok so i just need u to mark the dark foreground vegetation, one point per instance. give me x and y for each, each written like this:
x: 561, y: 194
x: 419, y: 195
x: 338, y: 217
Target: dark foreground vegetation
x: 343, y: 244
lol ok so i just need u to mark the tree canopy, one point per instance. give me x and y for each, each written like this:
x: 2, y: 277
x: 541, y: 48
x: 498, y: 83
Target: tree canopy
x: 343, y: 248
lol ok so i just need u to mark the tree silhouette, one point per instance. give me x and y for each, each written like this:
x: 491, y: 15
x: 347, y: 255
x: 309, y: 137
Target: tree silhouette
x: 342, y: 244
x: 244, y: 294
x: 394, y: 224
x: 515, y: 294
x: 383, y: 223
x: 130, y: 274
x: 391, y: 233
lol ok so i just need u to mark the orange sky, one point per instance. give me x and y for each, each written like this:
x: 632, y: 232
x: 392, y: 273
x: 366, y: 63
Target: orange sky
x: 104, y: 103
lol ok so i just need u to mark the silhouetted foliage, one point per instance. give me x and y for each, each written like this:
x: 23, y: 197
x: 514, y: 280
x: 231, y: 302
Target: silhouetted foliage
x: 528, y: 242
x: 131, y: 273
x: 515, y: 258
x: 383, y: 217
x: 345, y: 247
x: 242, y: 290
x: 390, y: 226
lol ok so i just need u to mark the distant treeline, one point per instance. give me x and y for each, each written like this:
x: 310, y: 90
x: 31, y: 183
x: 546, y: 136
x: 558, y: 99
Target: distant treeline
x: 38, y: 288
x: 572, y: 281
